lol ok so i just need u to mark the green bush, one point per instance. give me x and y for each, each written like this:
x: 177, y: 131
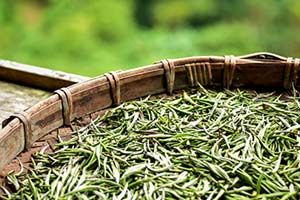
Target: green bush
x: 95, y: 36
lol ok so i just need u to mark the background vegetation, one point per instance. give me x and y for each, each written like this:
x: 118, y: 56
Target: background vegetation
x: 91, y: 37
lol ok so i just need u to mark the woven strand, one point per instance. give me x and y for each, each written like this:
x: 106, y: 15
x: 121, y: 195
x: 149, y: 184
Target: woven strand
x: 115, y: 87
x: 190, y: 78
x: 225, y: 73
x: 290, y: 75
x: 209, y: 74
x: 117, y: 93
x: 199, y: 67
x: 25, y: 120
x: 194, y: 74
x: 169, y: 69
x: 204, y: 74
x: 233, y: 66
x: 229, y: 69
x: 295, y: 71
x: 67, y: 105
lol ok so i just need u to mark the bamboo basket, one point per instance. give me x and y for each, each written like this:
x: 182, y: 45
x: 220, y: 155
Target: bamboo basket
x: 31, y: 130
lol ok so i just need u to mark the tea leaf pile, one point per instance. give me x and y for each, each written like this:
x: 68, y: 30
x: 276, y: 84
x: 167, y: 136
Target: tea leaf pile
x: 201, y: 145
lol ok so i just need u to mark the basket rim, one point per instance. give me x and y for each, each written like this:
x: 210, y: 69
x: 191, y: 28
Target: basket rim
x: 259, y: 70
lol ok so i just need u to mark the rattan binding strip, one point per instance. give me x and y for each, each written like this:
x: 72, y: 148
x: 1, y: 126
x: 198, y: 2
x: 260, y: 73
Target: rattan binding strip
x: 198, y: 73
x: 67, y: 105
x: 25, y: 120
x: 115, y: 87
x: 229, y: 69
x: 290, y: 72
x: 169, y: 69
x: 295, y: 71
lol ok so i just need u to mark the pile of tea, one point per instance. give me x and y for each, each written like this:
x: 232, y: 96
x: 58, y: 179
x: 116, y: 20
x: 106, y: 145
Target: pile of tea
x: 200, y: 145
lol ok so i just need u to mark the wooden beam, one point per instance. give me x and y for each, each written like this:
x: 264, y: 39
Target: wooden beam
x: 37, y: 77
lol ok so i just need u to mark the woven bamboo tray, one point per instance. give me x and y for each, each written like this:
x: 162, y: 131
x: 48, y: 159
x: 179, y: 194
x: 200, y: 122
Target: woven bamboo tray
x: 76, y: 105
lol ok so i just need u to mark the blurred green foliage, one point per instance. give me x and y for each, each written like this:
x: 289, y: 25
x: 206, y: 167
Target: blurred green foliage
x: 95, y: 36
